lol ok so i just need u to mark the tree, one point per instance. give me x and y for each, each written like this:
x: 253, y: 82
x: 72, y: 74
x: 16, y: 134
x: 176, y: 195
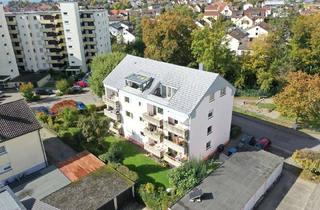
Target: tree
x: 101, y: 66
x: 114, y: 153
x: 62, y: 85
x: 93, y: 127
x: 69, y: 117
x: 168, y: 37
x: 305, y: 43
x: 308, y: 160
x: 300, y: 98
x: 26, y: 89
x: 209, y: 46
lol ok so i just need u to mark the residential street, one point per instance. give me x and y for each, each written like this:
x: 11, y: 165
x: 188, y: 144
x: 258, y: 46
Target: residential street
x: 284, y: 140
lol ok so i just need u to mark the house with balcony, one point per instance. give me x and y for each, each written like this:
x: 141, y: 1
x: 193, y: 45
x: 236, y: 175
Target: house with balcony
x: 174, y: 112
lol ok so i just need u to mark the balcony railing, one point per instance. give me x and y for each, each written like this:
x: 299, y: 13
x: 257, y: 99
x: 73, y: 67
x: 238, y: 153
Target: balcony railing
x: 112, y: 101
x: 175, y: 146
x: 177, y: 129
x: 153, y: 150
x: 87, y: 19
x: 112, y: 114
x: 88, y: 27
x: 171, y: 160
x: 153, y: 119
x: 89, y: 35
x: 116, y: 129
x: 155, y: 135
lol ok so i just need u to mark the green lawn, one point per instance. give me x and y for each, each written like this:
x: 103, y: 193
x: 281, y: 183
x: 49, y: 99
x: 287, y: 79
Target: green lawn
x: 148, y: 169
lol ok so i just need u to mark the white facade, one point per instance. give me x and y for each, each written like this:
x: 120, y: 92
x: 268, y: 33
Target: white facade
x: 163, y: 130
x: 32, y: 42
x: 256, y: 31
x: 8, y: 64
x: 101, y: 23
x: 72, y: 30
x: 232, y: 43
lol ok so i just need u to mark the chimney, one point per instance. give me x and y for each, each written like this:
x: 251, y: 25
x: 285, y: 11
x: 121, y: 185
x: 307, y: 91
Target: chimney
x: 201, y: 66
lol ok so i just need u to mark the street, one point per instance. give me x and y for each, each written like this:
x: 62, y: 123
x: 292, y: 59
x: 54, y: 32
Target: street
x: 284, y: 140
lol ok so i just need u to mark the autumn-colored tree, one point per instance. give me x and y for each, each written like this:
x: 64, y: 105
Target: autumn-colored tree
x: 26, y: 89
x: 300, y: 98
x: 305, y: 43
x: 168, y: 37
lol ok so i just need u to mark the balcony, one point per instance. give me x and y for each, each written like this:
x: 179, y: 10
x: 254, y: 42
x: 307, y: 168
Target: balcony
x: 153, y: 119
x: 88, y: 27
x: 13, y: 31
x: 19, y: 56
x: 112, y: 114
x: 15, y: 40
x: 176, y: 146
x: 89, y: 35
x: 47, y: 30
x: 177, y: 129
x: 154, y: 135
x: 50, y: 46
x: 12, y: 22
x: 17, y: 47
x: 90, y: 42
x: 49, y: 38
x: 172, y: 160
x: 90, y: 50
x: 116, y: 129
x: 46, y: 21
x: 112, y: 101
x: 155, y: 149
x: 87, y: 19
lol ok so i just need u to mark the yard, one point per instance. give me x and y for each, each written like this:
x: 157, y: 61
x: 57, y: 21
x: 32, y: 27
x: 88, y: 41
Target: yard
x: 136, y: 160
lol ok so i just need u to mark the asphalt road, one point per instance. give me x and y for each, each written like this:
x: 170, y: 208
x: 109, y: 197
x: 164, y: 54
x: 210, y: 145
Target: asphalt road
x: 284, y: 140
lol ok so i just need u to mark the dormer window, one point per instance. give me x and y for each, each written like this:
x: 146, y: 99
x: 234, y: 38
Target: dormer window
x: 165, y: 91
x: 138, y: 81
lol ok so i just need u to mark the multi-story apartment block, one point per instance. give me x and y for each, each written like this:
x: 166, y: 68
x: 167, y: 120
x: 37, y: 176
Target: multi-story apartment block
x: 60, y: 40
x: 8, y: 65
x: 175, y: 112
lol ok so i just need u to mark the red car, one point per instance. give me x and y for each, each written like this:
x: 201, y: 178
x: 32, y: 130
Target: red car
x: 263, y: 143
x: 82, y: 84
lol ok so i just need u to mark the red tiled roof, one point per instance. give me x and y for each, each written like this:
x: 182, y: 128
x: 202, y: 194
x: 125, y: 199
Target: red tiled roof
x: 211, y: 13
x: 80, y: 166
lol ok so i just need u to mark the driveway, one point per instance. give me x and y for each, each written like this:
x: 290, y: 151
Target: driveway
x: 284, y: 140
x: 56, y: 150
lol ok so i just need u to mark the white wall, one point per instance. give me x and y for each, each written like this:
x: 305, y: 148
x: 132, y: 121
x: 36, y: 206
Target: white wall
x: 23, y: 153
x: 72, y: 30
x: 101, y: 23
x: 220, y: 122
x: 233, y: 44
x: 32, y: 42
x: 8, y: 64
x: 256, y: 31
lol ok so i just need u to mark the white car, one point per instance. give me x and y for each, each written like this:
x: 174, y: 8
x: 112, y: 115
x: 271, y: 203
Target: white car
x: 1, y: 93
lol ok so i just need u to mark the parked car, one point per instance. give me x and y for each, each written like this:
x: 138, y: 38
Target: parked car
x: 247, y: 140
x: 232, y: 150
x: 81, y: 106
x: 263, y: 143
x: 1, y: 94
x: 82, y: 84
x: 75, y: 89
x: 43, y: 91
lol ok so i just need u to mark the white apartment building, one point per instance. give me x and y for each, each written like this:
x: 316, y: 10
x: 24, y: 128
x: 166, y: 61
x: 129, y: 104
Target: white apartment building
x: 60, y: 40
x: 8, y: 65
x: 175, y: 112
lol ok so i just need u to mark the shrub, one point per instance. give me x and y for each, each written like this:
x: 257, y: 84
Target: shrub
x: 154, y: 198
x: 62, y: 85
x: 42, y: 117
x: 26, y: 89
x: 188, y: 175
x: 308, y: 160
x: 235, y: 131
x: 91, y: 108
x: 114, y: 153
x: 132, y: 175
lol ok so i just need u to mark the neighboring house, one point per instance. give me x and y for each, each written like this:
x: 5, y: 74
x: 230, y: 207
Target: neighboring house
x: 258, y: 30
x: 121, y: 32
x: 21, y: 148
x: 235, y: 38
x: 174, y: 112
x: 239, y: 183
x: 247, y: 6
x: 216, y: 9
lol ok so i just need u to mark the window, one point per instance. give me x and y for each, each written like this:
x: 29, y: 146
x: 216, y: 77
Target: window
x: 67, y: 22
x: 126, y: 99
x: 160, y: 110
x: 141, y: 119
x: 4, y: 168
x: 211, y: 97
x: 129, y: 114
x: 222, y: 92
x: 67, y: 30
x: 208, y: 145
x: 209, y: 130
x: 2, y: 150
x: 70, y: 46
x: 142, y: 134
x: 210, y: 114
x: 139, y: 103
x: 65, y: 13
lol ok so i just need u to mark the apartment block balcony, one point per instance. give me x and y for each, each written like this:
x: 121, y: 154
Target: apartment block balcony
x: 56, y: 21
x: 116, y: 129
x: 46, y: 21
x: 179, y: 147
x: 49, y: 38
x: 112, y: 114
x: 89, y: 35
x: 47, y: 29
x: 177, y: 129
x: 90, y: 42
x: 19, y: 56
x: 88, y: 27
x: 13, y: 31
x: 15, y: 40
x: 57, y: 61
x: 155, y: 149
x: 155, y: 135
x: 87, y: 19
x: 12, y: 22
x: 90, y: 50
x: 58, y: 29
x: 17, y: 47
x: 112, y: 101
x: 175, y: 161
x: 56, y: 53
x: 50, y: 46
x: 153, y: 119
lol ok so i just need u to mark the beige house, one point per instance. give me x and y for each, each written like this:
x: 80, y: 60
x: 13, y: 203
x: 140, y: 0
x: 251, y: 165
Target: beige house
x: 21, y: 149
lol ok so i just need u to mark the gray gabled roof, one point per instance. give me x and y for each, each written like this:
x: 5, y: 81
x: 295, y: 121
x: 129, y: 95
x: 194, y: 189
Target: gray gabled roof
x: 16, y: 119
x: 191, y: 84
